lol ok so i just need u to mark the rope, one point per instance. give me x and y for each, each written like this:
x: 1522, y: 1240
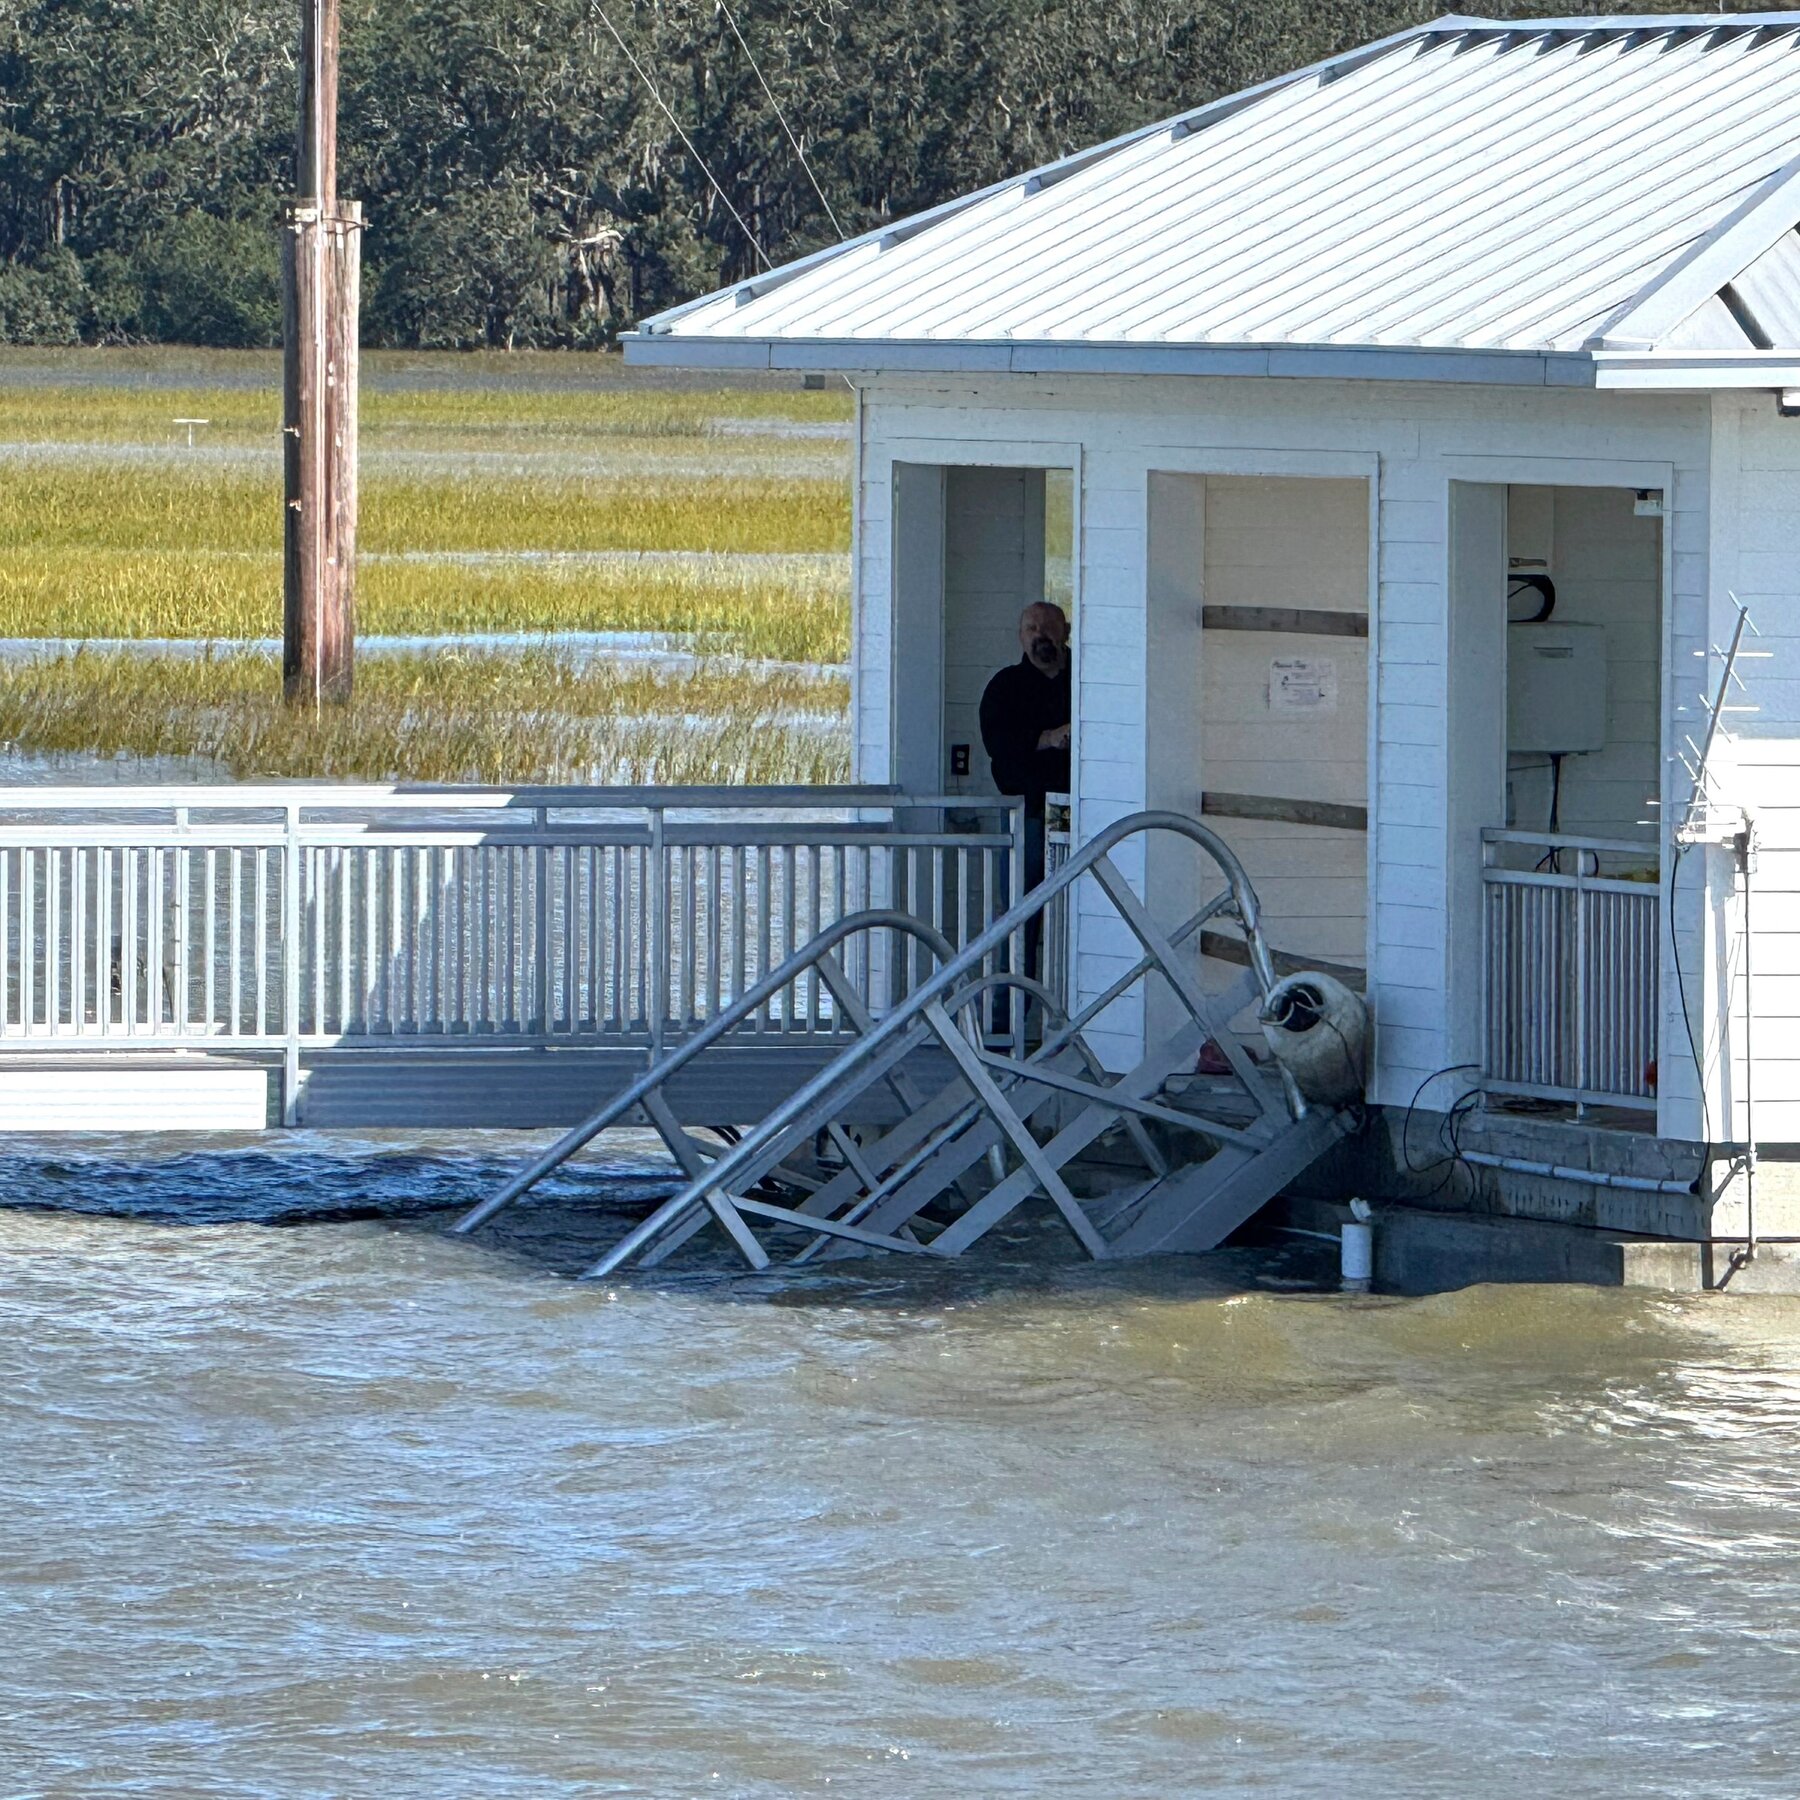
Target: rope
x: 782, y: 118
x: 656, y: 95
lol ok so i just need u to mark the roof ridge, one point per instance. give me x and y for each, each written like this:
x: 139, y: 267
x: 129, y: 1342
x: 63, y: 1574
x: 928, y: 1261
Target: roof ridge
x: 1741, y: 237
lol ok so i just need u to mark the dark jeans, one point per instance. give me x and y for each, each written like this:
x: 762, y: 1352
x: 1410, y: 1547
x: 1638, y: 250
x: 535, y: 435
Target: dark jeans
x: 1034, y: 873
x: 1033, y: 934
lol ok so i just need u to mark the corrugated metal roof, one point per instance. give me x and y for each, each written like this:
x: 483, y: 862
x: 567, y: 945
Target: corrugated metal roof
x: 1470, y: 185
x: 1766, y: 296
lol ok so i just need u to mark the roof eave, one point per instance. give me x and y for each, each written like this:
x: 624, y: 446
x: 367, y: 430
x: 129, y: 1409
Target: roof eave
x: 1686, y: 371
x: 1342, y: 362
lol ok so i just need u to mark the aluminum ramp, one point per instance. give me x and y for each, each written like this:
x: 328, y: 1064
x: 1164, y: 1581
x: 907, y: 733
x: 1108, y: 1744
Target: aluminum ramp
x: 985, y: 1128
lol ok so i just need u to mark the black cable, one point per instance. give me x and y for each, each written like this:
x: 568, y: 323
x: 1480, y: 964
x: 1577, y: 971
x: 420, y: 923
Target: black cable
x: 1413, y: 1168
x: 1358, y: 1076
x: 1549, y: 859
x: 1542, y: 586
x: 1452, y: 1127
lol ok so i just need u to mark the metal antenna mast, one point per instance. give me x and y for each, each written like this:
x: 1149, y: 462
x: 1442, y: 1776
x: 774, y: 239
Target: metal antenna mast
x: 1707, y: 819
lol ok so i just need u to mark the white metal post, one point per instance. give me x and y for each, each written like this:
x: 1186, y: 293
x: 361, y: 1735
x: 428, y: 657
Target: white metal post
x: 290, y: 965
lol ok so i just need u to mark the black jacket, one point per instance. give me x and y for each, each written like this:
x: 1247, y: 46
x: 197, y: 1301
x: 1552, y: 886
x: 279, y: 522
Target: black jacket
x: 1017, y: 706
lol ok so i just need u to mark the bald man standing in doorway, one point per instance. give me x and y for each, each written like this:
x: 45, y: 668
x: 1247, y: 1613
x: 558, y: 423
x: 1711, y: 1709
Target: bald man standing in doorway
x: 1025, y: 714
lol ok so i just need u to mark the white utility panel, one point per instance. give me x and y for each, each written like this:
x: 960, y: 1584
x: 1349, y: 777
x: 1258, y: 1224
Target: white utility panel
x: 1555, y: 689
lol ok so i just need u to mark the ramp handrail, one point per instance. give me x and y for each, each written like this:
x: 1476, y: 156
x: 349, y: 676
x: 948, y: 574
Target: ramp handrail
x: 915, y: 1007
x: 808, y: 957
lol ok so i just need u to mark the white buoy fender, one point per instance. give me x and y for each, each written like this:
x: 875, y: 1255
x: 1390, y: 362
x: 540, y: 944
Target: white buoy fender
x: 1316, y: 1029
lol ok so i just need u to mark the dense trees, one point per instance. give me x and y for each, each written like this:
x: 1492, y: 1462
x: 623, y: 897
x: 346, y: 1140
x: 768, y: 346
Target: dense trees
x: 523, y: 185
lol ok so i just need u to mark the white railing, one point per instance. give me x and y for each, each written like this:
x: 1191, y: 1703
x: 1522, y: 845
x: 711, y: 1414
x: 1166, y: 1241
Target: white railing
x: 291, y: 919
x: 1571, y: 941
x: 1059, y: 843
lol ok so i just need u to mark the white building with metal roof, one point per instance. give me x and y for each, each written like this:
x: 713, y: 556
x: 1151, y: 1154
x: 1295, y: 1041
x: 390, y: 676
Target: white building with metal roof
x: 1403, y: 435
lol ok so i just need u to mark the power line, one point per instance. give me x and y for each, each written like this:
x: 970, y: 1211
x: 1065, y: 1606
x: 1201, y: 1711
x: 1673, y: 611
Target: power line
x: 782, y: 118
x: 656, y: 95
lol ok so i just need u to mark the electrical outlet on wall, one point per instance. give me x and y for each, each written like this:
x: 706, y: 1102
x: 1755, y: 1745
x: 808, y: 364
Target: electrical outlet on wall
x: 959, y: 759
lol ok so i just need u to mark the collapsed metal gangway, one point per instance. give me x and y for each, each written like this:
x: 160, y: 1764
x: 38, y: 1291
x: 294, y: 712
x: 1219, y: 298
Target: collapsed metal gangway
x: 981, y: 1127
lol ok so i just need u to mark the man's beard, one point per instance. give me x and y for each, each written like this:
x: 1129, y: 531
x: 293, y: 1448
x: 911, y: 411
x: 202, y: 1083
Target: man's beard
x: 1044, y: 655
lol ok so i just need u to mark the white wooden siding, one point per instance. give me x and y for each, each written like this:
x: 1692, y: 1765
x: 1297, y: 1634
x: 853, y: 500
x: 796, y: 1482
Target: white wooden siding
x: 1286, y: 541
x: 1757, y: 557
x: 1419, y: 437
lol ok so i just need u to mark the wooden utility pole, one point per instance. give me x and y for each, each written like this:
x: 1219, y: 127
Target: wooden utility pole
x: 320, y: 291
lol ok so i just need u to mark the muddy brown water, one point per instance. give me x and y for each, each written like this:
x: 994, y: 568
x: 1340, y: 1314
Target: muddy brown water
x: 301, y: 1497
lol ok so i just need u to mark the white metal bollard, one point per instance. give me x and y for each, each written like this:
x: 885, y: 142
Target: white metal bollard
x: 1356, y: 1250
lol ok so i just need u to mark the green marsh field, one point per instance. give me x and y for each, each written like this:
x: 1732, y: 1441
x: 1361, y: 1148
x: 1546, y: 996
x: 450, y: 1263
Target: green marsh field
x: 515, y: 498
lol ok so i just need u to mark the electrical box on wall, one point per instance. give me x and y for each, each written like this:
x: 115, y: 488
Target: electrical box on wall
x: 1555, y: 689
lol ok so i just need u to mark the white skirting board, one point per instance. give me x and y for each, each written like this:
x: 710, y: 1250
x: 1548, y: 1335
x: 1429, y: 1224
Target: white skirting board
x: 101, y: 1099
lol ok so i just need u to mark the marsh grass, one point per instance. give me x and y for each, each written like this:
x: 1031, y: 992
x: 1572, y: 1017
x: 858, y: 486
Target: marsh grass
x: 792, y: 610
x: 58, y: 505
x: 142, y: 539
x: 449, y: 401
x: 478, y: 475
x: 456, y: 717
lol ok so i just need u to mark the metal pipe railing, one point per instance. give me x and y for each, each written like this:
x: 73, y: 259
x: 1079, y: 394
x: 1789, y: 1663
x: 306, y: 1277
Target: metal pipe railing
x: 630, y: 1098
x: 1571, y: 964
x: 290, y: 918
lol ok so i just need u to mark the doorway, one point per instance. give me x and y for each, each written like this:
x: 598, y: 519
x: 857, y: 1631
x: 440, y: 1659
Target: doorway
x: 1258, y: 684
x: 974, y: 546
x: 1555, y: 760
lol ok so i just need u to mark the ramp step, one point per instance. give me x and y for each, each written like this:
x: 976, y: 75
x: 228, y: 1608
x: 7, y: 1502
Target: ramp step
x: 1197, y: 1207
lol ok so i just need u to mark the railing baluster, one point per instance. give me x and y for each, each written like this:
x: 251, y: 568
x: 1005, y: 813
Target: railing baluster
x: 78, y: 939
x: 28, y: 944
x: 815, y: 988
x: 290, y: 941
x: 181, y: 1001
x: 235, y: 940
x: 594, y: 858
x: 346, y: 875
x: 259, y: 941
x: 790, y: 908
x: 540, y: 915
x: 317, y: 862
x: 690, y: 933
x: 765, y: 926
x: 128, y: 937
x: 11, y: 1008
x: 740, y: 919
x: 52, y: 940
x: 209, y: 947
x: 657, y: 900
x: 155, y: 886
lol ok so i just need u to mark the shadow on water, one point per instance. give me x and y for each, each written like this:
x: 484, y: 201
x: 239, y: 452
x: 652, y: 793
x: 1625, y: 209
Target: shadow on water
x: 562, y: 1228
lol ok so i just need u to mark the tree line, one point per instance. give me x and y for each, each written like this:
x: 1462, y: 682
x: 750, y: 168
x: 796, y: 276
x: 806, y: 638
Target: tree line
x: 524, y: 183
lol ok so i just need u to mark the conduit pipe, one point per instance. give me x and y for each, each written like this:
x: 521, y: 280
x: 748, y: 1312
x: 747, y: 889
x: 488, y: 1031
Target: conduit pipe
x: 1519, y: 1165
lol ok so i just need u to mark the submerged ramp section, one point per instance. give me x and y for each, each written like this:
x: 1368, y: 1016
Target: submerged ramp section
x: 988, y: 1123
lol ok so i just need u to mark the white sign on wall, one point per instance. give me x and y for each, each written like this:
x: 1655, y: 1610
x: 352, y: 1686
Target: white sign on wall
x: 1303, y: 685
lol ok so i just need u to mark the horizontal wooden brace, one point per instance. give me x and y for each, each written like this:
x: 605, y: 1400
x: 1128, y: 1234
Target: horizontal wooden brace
x: 1313, y: 622
x: 1221, y: 946
x: 1333, y: 814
